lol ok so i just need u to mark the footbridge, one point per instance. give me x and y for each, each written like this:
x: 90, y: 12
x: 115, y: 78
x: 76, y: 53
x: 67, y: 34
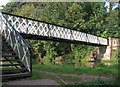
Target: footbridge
x: 15, y: 50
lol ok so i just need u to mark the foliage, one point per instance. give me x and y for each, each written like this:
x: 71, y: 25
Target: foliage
x: 102, y: 65
x: 35, y: 76
x: 69, y: 78
x: 96, y: 83
x: 111, y: 25
x: 80, y: 51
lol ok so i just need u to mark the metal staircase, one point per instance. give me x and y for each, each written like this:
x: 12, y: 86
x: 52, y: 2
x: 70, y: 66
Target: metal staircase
x: 16, y: 57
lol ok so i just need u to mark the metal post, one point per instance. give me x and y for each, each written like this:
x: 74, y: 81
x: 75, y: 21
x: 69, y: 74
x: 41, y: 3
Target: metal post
x: 30, y: 62
x: 0, y: 45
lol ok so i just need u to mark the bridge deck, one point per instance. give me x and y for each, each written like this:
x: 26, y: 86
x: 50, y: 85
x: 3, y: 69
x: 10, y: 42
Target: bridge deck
x: 36, y: 37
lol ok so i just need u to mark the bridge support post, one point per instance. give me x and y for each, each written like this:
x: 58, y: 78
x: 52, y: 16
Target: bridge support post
x: 98, y: 53
x: 106, y: 52
x: 0, y: 48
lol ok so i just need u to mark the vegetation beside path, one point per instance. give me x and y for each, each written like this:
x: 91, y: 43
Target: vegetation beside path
x: 111, y: 72
x: 72, y: 81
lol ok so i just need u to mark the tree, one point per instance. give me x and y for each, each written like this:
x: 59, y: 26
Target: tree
x: 111, y: 25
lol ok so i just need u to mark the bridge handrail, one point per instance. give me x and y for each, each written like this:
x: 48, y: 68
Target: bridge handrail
x: 44, y: 22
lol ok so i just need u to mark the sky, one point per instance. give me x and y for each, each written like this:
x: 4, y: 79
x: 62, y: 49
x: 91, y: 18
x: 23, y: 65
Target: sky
x: 107, y: 4
x: 3, y: 2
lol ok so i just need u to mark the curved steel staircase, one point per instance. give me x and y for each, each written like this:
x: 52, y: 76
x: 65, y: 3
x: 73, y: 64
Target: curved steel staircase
x: 15, y: 53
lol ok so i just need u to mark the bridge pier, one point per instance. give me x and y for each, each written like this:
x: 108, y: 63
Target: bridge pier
x: 0, y: 49
x: 0, y: 40
x: 106, y: 52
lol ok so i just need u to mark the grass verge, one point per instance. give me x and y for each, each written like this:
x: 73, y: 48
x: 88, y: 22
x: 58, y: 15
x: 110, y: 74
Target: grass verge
x: 35, y: 76
x: 96, y: 83
x: 81, y: 70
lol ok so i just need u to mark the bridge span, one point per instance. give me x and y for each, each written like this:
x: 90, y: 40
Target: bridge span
x: 35, y: 29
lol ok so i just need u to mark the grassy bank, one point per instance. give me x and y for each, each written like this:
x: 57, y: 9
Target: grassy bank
x: 96, y: 83
x: 35, y: 76
x: 81, y: 70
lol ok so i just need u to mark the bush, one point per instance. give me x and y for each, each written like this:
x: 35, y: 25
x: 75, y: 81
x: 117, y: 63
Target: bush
x: 101, y: 65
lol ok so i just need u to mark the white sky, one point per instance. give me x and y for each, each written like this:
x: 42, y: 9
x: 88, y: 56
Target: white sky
x: 108, y: 6
x: 3, y: 2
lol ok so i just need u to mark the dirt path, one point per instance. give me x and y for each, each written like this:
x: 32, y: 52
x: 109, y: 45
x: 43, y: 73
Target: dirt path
x: 83, y: 78
x: 34, y: 82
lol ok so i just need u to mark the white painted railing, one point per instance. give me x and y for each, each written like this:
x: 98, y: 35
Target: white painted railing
x: 18, y: 44
x: 34, y: 27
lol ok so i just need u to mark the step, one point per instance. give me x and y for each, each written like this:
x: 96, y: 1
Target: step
x: 9, y: 55
x: 6, y: 48
x: 4, y: 43
x: 9, y: 60
x: 15, y: 75
x: 9, y: 70
x: 12, y: 52
x: 3, y: 39
x: 10, y: 65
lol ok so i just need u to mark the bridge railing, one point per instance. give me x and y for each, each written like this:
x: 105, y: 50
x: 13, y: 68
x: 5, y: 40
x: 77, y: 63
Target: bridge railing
x: 35, y: 27
x: 15, y: 40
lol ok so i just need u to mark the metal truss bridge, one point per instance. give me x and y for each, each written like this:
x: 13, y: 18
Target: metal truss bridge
x: 15, y: 50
